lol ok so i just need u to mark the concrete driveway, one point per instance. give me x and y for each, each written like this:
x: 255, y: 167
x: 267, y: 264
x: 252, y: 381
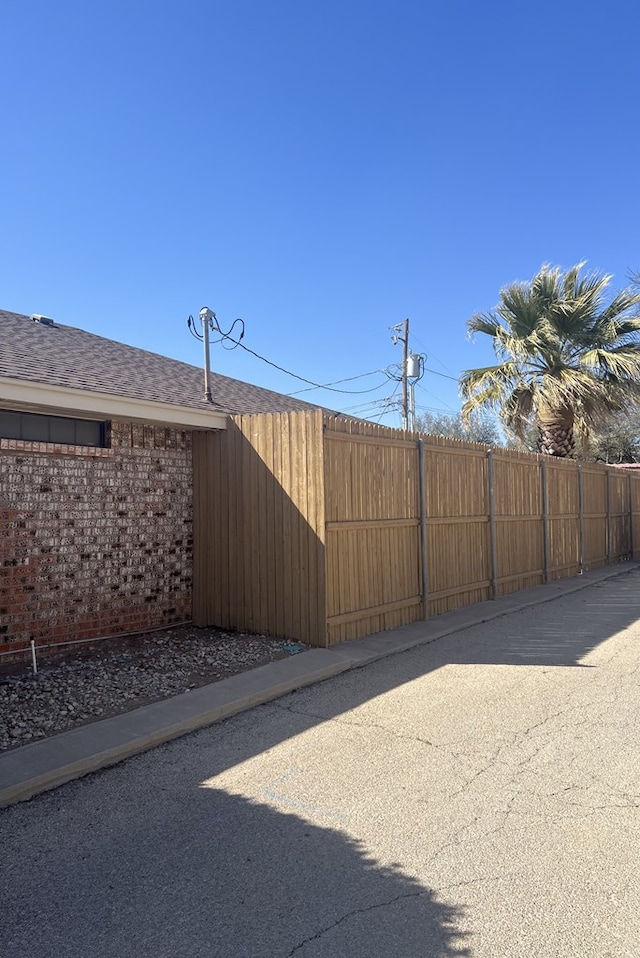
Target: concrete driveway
x: 478, y: 796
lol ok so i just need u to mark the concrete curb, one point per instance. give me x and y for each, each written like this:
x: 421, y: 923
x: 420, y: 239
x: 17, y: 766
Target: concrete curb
x: 39, y: 766
x: 43, y: 765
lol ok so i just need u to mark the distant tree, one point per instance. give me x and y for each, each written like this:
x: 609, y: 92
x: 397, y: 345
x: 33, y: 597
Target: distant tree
x: 527, y: 441
x: 568, y: 359
x: 479, y: 427
x: 618, y: 440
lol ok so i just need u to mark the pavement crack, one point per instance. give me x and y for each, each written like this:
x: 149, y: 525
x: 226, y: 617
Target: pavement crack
x: 365, y: 725
x: 476, y: 775
x: 356, y: 911
x: 482, y: 880
x: 463, y: 839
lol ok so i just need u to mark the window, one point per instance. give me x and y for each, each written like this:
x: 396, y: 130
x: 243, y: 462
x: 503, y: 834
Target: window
x: 58, y: 429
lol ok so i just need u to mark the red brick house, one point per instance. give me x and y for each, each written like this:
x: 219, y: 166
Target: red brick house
x: 96, y: 480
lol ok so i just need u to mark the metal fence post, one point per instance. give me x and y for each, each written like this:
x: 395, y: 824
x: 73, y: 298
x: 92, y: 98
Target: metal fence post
x: 423, y: 528
x: 631, y: 549
x: 545, y: 518
x: 492, y: 528
x: 581, y: 516
x: 608, y: 527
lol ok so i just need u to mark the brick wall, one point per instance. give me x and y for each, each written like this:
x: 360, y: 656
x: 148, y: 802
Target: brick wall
x: 95, y: 541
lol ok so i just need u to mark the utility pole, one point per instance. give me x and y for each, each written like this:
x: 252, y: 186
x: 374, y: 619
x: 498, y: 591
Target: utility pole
x: 404, y: 339
x: 405, y: 356
x: 206, y: 316
x: 412, y: 371
x: 209, y: 323
x: 207, y: 320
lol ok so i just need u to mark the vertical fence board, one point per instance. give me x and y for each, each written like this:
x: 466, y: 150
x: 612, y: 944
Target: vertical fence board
x: 235, y: 477
x: 288, y: 561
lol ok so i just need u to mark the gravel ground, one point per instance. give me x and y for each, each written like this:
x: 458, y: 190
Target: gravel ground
x: 86, y: 683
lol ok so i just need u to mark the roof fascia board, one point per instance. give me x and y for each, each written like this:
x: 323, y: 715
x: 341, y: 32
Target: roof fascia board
x: 64, y: 400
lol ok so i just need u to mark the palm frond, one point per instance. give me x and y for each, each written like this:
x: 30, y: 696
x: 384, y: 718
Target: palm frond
x: 621, y: 362
x: 571, y: 278
x: 519, y: 311
x: 628, y: 328
x: 503, y: 376
x: 484, y: 323
x: 623, y: 308
x: 519, y: 408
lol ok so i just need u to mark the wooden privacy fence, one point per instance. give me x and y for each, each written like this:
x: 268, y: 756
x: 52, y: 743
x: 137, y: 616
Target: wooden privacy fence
x: 323, y: 529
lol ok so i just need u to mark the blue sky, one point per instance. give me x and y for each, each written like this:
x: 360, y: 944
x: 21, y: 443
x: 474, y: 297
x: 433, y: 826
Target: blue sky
x: 321, y: 170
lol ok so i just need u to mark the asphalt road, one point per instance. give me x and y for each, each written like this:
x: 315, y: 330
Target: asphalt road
x: 478, y: 796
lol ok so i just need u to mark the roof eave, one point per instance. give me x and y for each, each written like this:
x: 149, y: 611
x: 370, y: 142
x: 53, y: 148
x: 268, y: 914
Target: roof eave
x: 20, y: 394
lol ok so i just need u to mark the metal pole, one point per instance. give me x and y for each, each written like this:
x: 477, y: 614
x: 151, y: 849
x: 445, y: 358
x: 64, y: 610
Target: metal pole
x: 581, y: 516
x: 545, y: 518
x: 34, y: 661
x: 412, y: 406
x: 608, y: 530
x: 492, y: 528
x: 423, y: 529
x: 405, y: 356
x: 631, y: 549
x: 205, y: 317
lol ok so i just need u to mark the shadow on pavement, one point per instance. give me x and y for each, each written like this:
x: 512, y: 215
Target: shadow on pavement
x: 201, y: 872
x: 556, y: 633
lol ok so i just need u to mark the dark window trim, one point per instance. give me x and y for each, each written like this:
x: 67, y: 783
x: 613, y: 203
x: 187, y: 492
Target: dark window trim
x: 58, y: 430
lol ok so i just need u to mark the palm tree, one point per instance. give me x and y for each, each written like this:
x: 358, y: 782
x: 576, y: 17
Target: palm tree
x: 567, y: 357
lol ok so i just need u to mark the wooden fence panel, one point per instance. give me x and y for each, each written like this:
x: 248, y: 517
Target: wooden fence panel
x: 594, y: 479
x: 457, y: 518
x: 634, y: 512
x: 563, y: 519
x: 372, y: 529
x: 619, y: 543
x: 518, y: 522
x: 259, y: 531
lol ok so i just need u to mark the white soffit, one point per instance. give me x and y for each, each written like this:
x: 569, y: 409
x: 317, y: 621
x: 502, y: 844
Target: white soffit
x: 35, y: 397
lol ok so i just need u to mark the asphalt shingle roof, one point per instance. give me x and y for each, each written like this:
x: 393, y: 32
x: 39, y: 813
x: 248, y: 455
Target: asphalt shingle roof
x: 66, y: 356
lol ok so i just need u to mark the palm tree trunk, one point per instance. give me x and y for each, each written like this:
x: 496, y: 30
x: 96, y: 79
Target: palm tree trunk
x: 556, y: 441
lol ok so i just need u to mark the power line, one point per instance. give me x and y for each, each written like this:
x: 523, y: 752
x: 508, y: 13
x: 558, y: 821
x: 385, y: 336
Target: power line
x: 444, y: 376
x: 302, y: 379
x: 368, y: 407
x: 431, y: 353
x: 388, y: 403
x: 438, y: 409
x: 349, y: 379
x: 433, y: 396
x: 311, y: 385
x: 383, y: 405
